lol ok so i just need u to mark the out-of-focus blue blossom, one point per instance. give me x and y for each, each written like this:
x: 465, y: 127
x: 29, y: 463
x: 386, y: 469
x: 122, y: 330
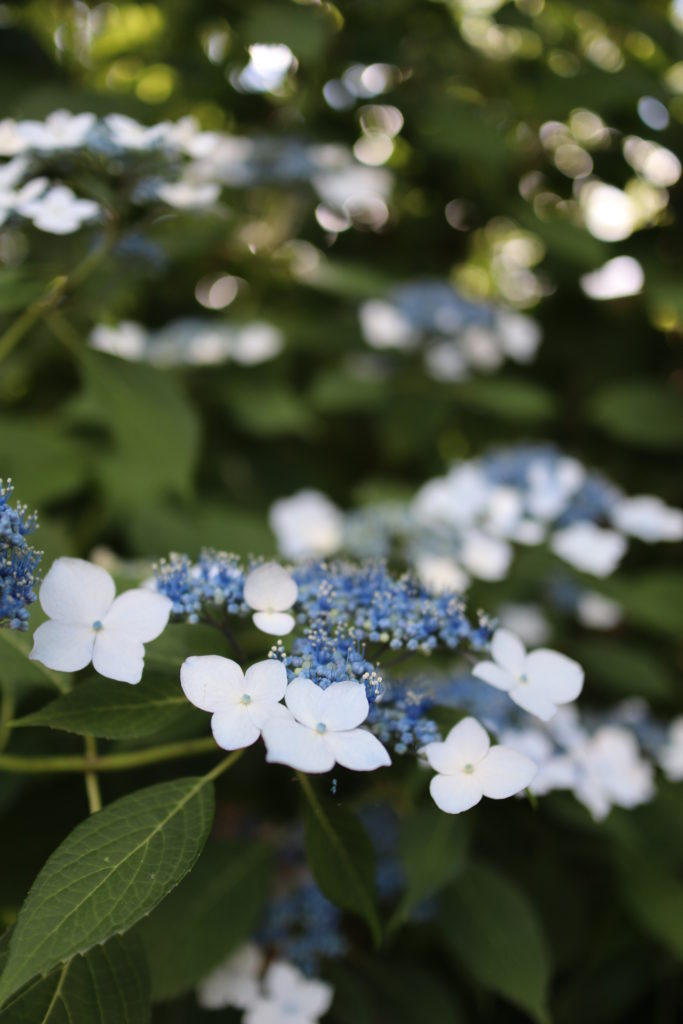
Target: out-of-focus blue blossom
x: 19, y: 562
x: 216, y: 579
x: 303, y: 927
x: 330, y: 657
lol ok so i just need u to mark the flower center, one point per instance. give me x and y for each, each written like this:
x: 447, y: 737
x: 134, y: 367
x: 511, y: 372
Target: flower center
x: 468, y: 769
x: 245, y: 699
x: 321, y: 727
x: 97, y: 625
x: 523, y: 678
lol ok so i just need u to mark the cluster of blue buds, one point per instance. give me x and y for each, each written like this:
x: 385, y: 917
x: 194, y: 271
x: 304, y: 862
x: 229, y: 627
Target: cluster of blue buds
x: 376, y: 606
x: 303, y: 927
x: 401, y: 719
x: 330, y: 657
x: 216, y: 579
x: 19, y: 562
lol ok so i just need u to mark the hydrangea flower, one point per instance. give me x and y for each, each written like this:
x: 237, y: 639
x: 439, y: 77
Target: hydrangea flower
x: 322, y: 729
x: 537, y: 682
x: 87, y: 622
x: 306, y: 525
x: 59, y: 211
x: 610, y: 771
x: 271, y: 592
x: 289, y: 997
x: 671, y: 754
x: 240, y: 702
x: 589, y: 548
x: 648, y: 518
x: 234, y: 982
x: 59, y: 131
x: 468, y: 768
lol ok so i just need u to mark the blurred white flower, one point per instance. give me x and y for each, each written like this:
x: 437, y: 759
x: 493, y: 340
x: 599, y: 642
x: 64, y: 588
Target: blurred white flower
x: 240, y: 702
x: 611, y: 772
x: 127, y: 340
x: 269, y: 65
x: 87, y: 622
x: 555, y: 770
x: 671, y: 754
x: 610, y: 214
x: 439, y: 573
x: 648, y: 518
x: 271, y: 591
x: 60, y: 130
x: 520, y: 335
x: 256, y: 343
x: 189, y: 195
x: 487, y: 558
x: 306, y: 525
x: 595, y: 611
x: 528, y: 621
x: 537, y: 682
x: 128, y: 133
x: 589, y: 548
x: 235, y: 982
x: 289, y: 997
x: 468, y: 768
x: 384, y: 326
x: 615, y: 279
x: 11, y: 139
x: 58, y: 211
x: 323, y: 729
x: 551, y: 485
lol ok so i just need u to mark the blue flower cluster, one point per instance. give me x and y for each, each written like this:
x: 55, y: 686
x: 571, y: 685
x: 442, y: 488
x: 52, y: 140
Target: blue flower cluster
x: 330, y: 657
x: 19, y: 562
x: 215, y: 579
x: 303, y: 927
x: 401, y: 719
x: 341, y: 607
x: 376, y: 606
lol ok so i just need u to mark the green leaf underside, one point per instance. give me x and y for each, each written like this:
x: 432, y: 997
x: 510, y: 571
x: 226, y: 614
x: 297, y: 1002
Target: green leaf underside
x: 492, y: 928
x: 219, y: 904
x: 114, y: 711
x: 109, y: 985
x: 341, y: 858
x: 114, y: 868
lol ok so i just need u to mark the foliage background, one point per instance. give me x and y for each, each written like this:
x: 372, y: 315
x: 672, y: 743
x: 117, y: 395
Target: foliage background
x: 147, y: 460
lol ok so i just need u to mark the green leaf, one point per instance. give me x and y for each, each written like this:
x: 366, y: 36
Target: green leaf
x: 623, y: 669
x: 39, y: 453
x: 153, y: 431
x: 18, y: 673
x: 219, y: 905
x: 654, y: 895
x: 433, y: 849
x: 653, y: 599
x: 506, y: 398
x: 109, y: 985
x: 341, y: 857
x: 114, y: 868
x: 643, y: 413
x: 115, y: 712
x: 493, y: 929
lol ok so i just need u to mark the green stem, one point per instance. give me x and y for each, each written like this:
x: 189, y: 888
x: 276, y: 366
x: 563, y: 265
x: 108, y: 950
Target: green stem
x: 117, y: 762
x: 54, y: 294
x: 92, y: 785
x: 223, y: 765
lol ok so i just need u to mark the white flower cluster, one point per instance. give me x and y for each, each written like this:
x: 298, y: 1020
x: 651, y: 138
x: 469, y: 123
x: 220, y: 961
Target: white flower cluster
x: 455, y: 335
x: 178, y: 164
x: 189, y: 342
x: 283, y: 995
x: 464, y: 524
x: 603, y: 769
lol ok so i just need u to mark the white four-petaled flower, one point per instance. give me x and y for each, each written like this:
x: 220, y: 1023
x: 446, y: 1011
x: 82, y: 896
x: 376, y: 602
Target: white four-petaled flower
x: 234, y: 982
x: 322, y: 729
x: 59, y: 211
x: 468, y: 768
x: 87, y: 622
x: 289, y: 997
x: 537, y: 682
x: 241, y: 702
x: 270, y: 591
